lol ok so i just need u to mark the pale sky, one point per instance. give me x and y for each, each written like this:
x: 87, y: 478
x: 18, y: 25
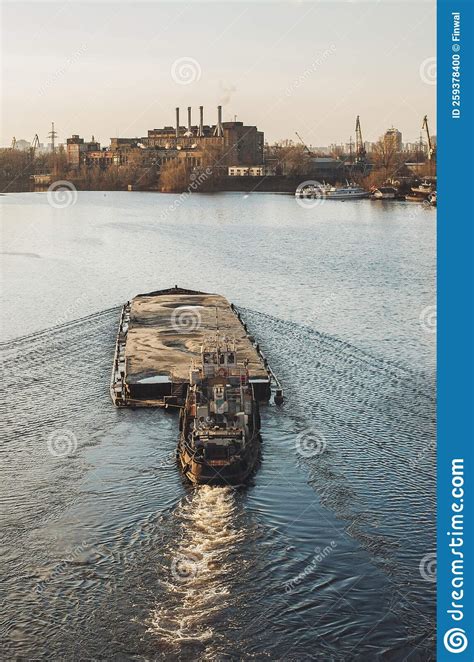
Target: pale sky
x: 114, y: 68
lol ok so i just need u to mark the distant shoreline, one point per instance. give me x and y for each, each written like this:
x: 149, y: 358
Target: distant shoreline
x: 262, y: 184
x: 280, y: 184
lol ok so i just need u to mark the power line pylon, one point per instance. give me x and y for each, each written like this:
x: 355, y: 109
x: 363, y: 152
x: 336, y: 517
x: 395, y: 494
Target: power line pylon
x: 53, y: 135
x: 359, y: 146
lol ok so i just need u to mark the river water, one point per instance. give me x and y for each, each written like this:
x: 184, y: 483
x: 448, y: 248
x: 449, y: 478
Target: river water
x: 328, y: 554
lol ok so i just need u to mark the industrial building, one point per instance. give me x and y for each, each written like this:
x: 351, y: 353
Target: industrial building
x: 393, y: 139
x: 223, y: 144
x: 237, y: 143
x: 77, y: 150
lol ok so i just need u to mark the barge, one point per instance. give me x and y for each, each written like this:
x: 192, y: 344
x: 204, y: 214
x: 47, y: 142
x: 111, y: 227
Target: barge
x: 162, y: 332
x: 192, y: 350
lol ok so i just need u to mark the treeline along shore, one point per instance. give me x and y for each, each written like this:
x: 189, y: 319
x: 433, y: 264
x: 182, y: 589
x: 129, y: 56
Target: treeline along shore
x: 25, y: 170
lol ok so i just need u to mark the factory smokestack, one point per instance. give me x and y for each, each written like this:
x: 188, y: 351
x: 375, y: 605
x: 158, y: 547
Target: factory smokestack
x: 201, y: 121
x: 218, y: 131
x: 177, y: 123
x: 189, y: 121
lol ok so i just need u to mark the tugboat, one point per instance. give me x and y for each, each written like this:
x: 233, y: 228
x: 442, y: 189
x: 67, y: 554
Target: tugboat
x: 220, y: 421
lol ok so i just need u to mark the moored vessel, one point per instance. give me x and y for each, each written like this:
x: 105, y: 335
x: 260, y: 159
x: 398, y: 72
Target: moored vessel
x: 384, y: 193
x: 422, y: 189
x: 348, y: 192
x: 313, y: 190
x: 421, y: 192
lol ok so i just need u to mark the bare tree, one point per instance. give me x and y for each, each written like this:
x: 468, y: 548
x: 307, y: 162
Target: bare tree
x: 294, y: 160
x: 387, y: 158
x: 174, y: 175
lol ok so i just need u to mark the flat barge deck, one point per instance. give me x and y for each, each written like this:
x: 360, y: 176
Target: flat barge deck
x: 160, y: 333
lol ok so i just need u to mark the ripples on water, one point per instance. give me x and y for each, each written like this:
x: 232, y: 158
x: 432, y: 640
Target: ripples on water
x: 110, y: 555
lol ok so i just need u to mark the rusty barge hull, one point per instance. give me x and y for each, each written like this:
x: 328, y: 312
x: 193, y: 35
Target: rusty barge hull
x: 160, y: 333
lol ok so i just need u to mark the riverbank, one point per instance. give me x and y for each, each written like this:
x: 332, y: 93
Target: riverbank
x: 262, y: 184
x: 22, y: 171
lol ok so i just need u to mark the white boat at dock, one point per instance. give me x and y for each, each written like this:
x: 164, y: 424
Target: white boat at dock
x: 425, y: 188
x: 312, y: 190
x: 421, y: 192
x: 384, y: 193
x: 328, y: 192
x: 348, y: 192
x: 431, y: 199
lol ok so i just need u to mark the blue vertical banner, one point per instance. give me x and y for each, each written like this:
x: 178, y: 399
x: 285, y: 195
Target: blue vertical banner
x: 455, y: 154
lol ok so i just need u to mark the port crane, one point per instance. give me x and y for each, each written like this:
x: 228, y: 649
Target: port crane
x: 304, y: 144
x: 35, y: 143
x: 431, y: 148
